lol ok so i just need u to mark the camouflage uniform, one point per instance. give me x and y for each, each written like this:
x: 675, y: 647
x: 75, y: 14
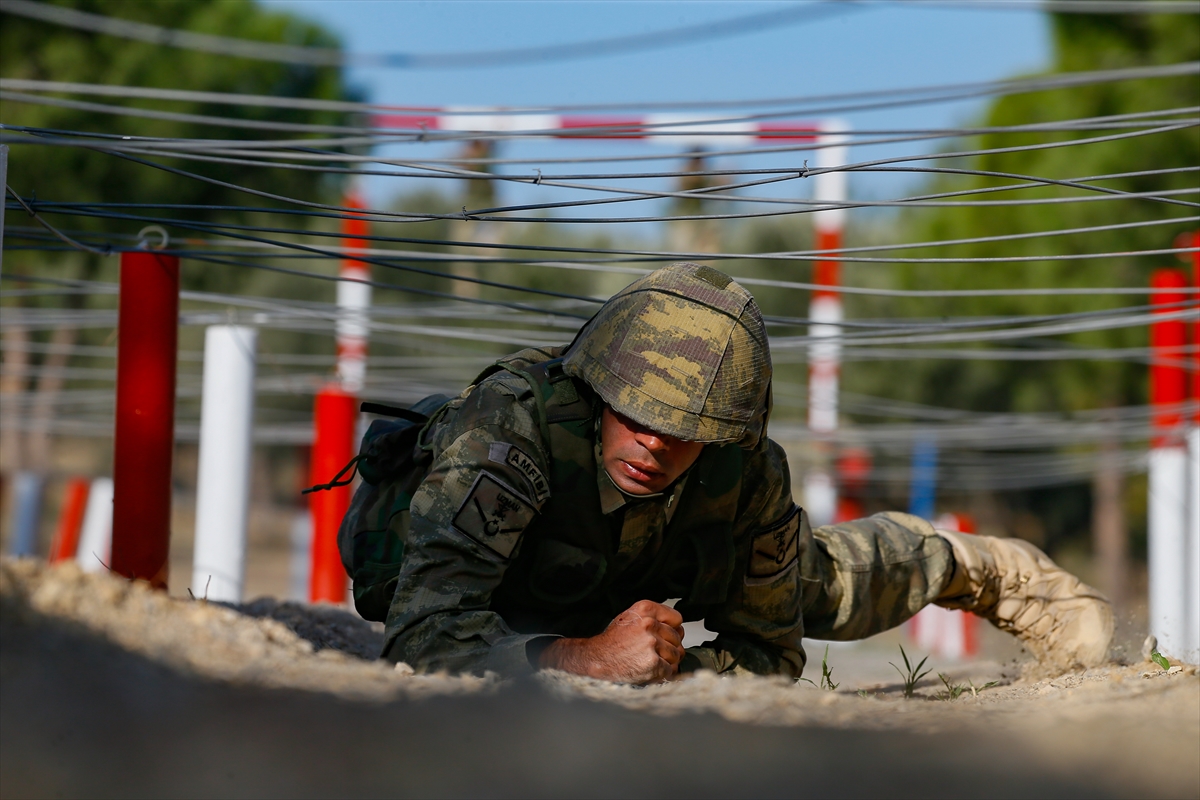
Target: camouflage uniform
x: 517, y: 533
x: 496, y: 527
x: 493, y: 561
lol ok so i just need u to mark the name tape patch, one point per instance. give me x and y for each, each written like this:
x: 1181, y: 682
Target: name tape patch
x: 775, y: 549
x: 504, y: 453
x: 494, y: 514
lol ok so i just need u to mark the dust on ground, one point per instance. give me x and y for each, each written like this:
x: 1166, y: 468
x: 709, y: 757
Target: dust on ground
x: 111, y: 689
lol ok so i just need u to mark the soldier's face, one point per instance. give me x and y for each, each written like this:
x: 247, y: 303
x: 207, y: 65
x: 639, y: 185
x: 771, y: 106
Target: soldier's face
x: 641, y: 461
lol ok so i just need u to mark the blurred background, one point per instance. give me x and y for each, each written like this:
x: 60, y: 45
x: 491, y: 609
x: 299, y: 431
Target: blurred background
x: 959, y: 304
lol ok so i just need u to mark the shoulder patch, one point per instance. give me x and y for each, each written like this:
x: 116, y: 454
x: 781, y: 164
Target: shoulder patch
x: 775, y: 549
x: 518, y: 459
x: 494, y: 514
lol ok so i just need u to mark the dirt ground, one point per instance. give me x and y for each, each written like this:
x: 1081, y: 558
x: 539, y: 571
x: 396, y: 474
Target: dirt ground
x: 109, y: 689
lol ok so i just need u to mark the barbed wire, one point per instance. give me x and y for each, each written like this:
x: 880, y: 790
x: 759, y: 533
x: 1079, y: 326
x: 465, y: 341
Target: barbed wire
x: 799, y: 104
x: 450, y: 334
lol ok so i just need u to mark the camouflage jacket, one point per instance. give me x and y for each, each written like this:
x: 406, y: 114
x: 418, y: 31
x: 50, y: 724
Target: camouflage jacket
x: 517, y: 533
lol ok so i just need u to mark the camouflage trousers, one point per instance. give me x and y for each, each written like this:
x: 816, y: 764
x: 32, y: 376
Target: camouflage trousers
x: 869, y: 575
x: 856, y: 579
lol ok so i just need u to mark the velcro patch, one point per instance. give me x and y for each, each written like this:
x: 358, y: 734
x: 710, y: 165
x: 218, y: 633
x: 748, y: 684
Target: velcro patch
x: 518, y: 459
x: 777, y: 548
x: 495, y: 515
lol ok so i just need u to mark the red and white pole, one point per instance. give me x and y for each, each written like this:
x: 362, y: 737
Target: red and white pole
x: 825, y: 313
x: 354, y: 301
x: 1167, y: 545
x: 335, y: 416
x: 148, y: 314
x: 945, y: 632
x: 1192, y: 579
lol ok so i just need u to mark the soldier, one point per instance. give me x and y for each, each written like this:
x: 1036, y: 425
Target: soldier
x: 543, y: 516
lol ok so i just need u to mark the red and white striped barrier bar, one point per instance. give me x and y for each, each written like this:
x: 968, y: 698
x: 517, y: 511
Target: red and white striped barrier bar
x: 673, y: 128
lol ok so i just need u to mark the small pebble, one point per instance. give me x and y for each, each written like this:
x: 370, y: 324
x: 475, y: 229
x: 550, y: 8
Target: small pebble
x: 1175, y: 670
x: 404, y: 669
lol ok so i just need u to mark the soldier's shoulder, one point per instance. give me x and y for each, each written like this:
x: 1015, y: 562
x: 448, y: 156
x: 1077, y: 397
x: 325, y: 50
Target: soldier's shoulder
x: 501, y: 401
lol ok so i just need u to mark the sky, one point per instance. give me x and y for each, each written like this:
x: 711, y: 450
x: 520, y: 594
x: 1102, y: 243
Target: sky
x: 853, y: 47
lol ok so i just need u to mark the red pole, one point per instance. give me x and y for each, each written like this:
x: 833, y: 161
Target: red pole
x: 66, y: 539
x: 145, y: 426
x: 335, y: 417
x: 1168, y: 378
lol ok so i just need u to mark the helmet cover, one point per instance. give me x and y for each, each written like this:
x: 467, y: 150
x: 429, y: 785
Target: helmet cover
x: 682, y: 351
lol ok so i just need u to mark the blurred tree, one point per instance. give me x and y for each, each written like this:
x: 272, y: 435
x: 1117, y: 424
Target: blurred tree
x: 1081, y: 42
x: 31, y: 49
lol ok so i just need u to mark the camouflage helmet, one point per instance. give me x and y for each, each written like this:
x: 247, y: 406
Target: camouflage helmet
x: 684, y: 352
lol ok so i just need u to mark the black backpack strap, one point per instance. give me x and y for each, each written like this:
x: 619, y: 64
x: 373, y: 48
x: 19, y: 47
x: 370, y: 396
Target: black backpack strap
x: 394, y: 411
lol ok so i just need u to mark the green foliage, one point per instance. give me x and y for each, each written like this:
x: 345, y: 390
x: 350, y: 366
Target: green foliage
x: 826, y: 675
x: 1082, y: 42
x: 31, y: 49
x: 953, y: 690
x: 910, y: 674
x: 1160, y: 659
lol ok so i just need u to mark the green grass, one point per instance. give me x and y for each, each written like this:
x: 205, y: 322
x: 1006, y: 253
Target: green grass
x: 826, y: 674
x: 910, y: 674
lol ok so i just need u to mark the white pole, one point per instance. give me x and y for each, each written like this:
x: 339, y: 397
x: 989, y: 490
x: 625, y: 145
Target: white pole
x: 1192, y: 578
x: 226, y: 438
x: 301, y: 559
x: 95, y: 535
x: 1167, y: 541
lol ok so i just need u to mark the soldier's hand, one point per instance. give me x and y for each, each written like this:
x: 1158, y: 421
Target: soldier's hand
x: 644, y: 644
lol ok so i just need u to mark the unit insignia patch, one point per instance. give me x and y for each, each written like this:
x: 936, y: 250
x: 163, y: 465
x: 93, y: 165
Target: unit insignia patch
x: 494, y: 515
x: 775, y: 549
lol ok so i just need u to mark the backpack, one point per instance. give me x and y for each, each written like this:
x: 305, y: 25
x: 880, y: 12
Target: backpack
x: 393, y: 459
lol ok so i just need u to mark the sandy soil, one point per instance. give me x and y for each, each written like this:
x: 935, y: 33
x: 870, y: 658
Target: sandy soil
x: 110, y: 689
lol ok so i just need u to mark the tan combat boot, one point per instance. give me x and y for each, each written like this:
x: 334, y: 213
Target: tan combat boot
x: 1015, y: 586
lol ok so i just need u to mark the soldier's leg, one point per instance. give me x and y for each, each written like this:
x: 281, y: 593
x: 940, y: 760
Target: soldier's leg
x: 872, y: 574
x: 866, y: 576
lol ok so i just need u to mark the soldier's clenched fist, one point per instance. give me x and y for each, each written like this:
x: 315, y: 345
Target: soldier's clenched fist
x: 644, y: 644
